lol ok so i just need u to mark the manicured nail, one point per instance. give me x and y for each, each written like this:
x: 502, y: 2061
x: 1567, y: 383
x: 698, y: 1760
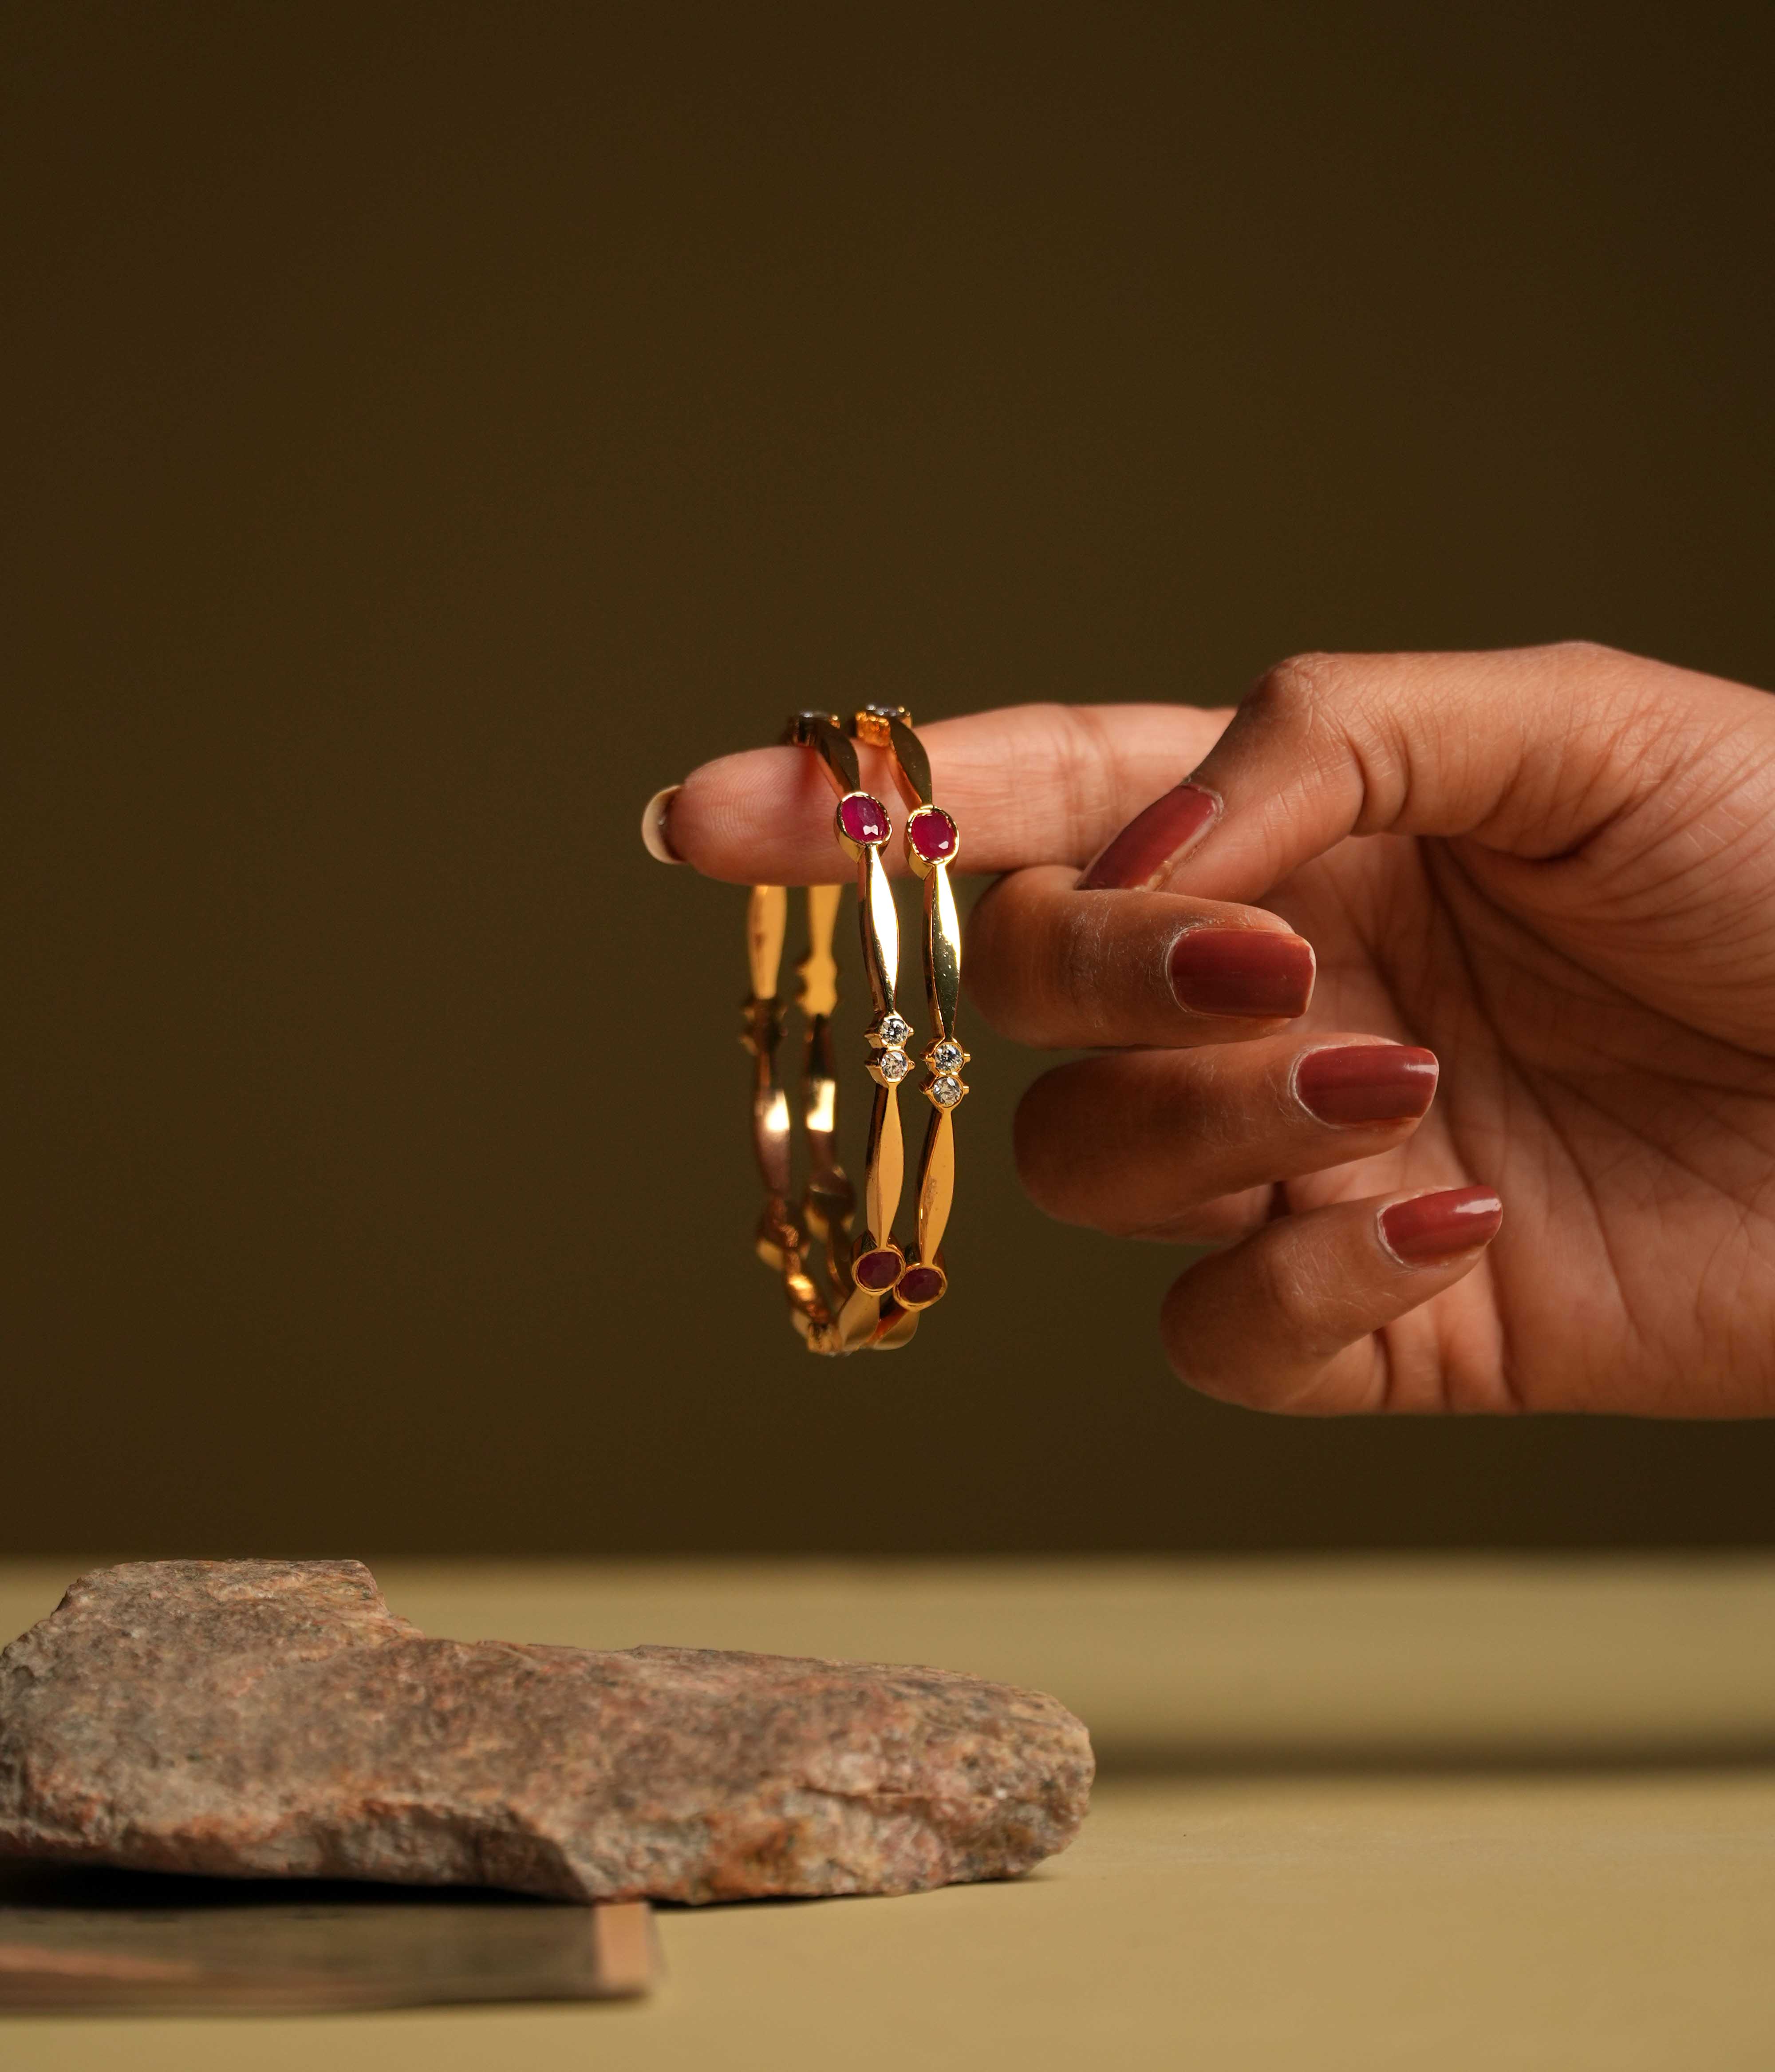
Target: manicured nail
x: 1425, y: 1228
x: 1251, y: 972
x: 1144, y: 852
x: 653, y: 825
x: 1347, y: 1084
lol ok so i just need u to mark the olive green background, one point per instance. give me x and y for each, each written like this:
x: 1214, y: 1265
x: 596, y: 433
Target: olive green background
x: 432, y: 428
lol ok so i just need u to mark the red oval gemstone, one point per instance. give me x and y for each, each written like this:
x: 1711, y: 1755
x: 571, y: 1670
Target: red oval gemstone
x: 863, y: 818
x: 920, y: 1283
x: 878, y: 1270
x: 931, y: 833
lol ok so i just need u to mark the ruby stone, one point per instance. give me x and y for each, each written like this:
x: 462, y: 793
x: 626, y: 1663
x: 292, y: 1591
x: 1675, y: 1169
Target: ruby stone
x: 932, y: 834
x: 878, y: 1270
x: 920, y: 1283
x: 864, y: 819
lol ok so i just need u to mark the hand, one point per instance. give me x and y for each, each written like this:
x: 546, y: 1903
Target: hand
x: 1552, y: 869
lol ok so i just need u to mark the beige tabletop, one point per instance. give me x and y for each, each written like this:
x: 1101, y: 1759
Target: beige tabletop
x: 1354, y: 1814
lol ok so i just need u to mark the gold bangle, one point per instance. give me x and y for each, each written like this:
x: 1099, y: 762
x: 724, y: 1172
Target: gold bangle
x: 867, y: 1312
x: 933, y: 841
x: 810, y: 1246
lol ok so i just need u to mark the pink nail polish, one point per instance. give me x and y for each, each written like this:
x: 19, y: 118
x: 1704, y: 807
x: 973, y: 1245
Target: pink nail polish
x: 1153, y: 841
x: 1426, y: 1228
x: 1248, y: 972
x: 1348, y: 1084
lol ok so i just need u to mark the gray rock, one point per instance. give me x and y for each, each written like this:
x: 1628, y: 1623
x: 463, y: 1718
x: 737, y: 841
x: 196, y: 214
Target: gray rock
x: 252, y: 1719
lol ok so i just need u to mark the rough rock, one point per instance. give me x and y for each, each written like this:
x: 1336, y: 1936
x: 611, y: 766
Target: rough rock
x: 250, y: 1719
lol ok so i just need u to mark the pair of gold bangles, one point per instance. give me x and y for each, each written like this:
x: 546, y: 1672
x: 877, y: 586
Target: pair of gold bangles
x: 852, y: 1291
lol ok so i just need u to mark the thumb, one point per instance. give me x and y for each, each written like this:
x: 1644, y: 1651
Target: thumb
x: 1620, y: 801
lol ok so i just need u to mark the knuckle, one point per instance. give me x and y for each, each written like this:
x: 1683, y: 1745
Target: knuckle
x: 1066, y: 754
x: 1298, y: 690
x: 1278, y: 1291
x: 1086, y: 764
x: 1589, y: 656
x: 1343, y: 712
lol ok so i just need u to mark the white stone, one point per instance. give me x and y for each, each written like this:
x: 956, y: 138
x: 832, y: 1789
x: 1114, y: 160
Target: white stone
x: 894, y: 1065
x: 946, y: 1092
x: 892, y: 1029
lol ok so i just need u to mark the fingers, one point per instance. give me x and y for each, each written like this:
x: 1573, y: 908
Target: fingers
x: 1030, y: 784
x: 1296, y: 1317
x: 1051, y: 965
x: 1186, y: 1145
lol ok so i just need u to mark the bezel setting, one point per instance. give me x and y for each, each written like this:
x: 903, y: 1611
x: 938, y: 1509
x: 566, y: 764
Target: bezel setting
x: 921, y: 1285
x: 932, y: 839
x: 861, y: 823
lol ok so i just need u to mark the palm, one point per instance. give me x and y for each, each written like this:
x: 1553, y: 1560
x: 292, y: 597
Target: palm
x: 1635, y: 1273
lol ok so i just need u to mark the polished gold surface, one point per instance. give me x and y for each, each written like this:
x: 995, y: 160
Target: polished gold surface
x: 891, y: 727
x: 936, y: 1188
x: 943, y: 952
x: 828, y: 1202
x: 1353, y: 1816
x: 766, y: 924
x: 818, y: 970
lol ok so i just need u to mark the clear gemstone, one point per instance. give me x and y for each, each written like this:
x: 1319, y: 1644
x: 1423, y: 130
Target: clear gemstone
x: 892, y: 1029
x: 945, y: 1057
x: 947, y: 1091
x: 893, y: 1066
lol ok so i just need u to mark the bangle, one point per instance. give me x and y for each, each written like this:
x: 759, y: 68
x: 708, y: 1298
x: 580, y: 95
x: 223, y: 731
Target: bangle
x: 870, y: 1313
x: 932, y: 843
x: 847, y: 1292
x: 809, y: 1247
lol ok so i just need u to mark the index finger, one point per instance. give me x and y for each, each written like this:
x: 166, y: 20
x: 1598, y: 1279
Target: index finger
x: 1046, y: 783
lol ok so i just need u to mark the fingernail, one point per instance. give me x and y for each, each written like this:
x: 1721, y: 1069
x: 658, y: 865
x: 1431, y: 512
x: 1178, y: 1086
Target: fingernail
x: 1346, y: 1083
x: 1241, y: 971
x: 1139, y: 856
x: 653, y: 825
x: 1424, y: 1228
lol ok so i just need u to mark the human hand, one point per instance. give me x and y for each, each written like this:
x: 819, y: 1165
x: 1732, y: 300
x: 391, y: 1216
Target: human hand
x: 1553, y: 869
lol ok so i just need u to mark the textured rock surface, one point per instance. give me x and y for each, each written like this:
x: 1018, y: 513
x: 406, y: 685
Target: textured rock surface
x: 273, y: 1718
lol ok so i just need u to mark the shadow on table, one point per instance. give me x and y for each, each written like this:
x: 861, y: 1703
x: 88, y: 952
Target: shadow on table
x: 1184, y: 1756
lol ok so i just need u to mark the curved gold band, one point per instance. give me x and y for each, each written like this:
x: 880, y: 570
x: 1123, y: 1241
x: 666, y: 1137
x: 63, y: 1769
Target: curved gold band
x: 932, y: 843
x: 874, y: 1289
